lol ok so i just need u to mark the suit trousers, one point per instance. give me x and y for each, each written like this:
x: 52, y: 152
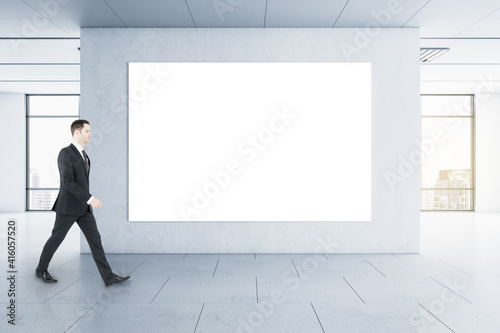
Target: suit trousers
x: 88, y: 225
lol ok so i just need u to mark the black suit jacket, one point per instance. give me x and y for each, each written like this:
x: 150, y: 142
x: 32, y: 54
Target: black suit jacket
x: 74, y: 183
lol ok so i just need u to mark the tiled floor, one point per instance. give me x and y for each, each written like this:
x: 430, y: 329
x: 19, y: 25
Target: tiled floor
x: 452, y: 286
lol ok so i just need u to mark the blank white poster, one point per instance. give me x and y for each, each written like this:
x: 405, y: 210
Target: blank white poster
x: 249, y: 142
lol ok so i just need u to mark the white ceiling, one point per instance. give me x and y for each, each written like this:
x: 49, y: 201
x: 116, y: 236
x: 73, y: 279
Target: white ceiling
x: 63, y: 18
x: 471, y: 29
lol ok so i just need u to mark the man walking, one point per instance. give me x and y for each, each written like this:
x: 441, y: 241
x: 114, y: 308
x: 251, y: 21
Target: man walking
x: 74, y: 203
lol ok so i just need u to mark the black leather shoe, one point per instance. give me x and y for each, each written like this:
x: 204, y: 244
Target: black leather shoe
x: 117, y: 279
x: 45, y: 276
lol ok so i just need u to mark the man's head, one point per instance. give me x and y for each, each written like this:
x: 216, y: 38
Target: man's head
x: 80, y: 129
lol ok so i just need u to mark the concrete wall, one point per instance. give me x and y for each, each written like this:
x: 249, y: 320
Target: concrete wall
x: 394, y: 54
x: 487, y: 153
x: 13, y: 153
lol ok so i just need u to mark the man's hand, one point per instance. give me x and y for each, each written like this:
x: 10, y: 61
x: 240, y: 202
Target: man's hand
x: 96, y: 203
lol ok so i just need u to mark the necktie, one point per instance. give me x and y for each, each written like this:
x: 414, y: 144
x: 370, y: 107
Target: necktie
x: 86, y: 161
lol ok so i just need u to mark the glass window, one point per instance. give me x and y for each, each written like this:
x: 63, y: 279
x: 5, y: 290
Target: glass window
x: 447, y: 152
x: 446, y: 105
x: 49, y: 118
x: 53, y: 105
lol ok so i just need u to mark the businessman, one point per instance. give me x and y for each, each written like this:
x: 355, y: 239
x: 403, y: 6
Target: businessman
x: 74, y: 204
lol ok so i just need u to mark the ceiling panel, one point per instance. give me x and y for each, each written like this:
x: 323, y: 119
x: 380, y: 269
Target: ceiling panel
x: 90, y: 13
x: 465, y: 9
x: 495, y: 14
x: 40, y: 51
x: 490, y: 55
x: 153, y: 13
x: 383, y: 13
x: 70, y: 26
x: 40, y: 87
x: 15, y: 9
x: 450, y: 18
x: 485, y: 28
x: 447, y: 87
x: 458, y: 73
x: 228, y: 14
x: 30, y: 28
x: 435, y: 18
x: 39, y: 73
x: 302, y: 13
x: 443, y: 27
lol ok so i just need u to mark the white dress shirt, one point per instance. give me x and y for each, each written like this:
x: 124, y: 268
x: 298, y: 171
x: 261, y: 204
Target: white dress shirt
x: 80, y: 149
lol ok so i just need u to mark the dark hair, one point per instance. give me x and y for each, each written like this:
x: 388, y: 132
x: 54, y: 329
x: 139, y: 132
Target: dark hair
x: 78, y: 125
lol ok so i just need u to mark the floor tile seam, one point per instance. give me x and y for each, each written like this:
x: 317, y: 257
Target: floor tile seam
x: 455, y: 268
x: 353, y: 290
x: 63, y: 264
x: 375, y: 268
x: 62, y: 290
x: 453, y: 291
x: 256, y: 289
x: 216, y: 265
x: 197, y: 322
x: 137, y: 267
x: 80, y: 318
x: 317, y: 317
x: 432, y: 314
x: 164, y: 283
x: 295, y: 268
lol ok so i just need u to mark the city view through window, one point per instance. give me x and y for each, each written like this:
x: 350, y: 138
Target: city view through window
x: 447, y: 152
x: 48, y: 118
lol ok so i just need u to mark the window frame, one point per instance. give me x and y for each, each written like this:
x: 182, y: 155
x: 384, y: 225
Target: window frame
x: 28, y: 188
x: 472, y: 118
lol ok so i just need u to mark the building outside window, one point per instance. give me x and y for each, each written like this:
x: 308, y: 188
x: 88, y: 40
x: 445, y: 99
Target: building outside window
x: 447, y: 153
x: 48, y: 121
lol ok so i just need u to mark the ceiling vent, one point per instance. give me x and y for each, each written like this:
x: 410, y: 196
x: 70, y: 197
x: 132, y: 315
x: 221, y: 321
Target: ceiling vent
x: 428, y: 54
